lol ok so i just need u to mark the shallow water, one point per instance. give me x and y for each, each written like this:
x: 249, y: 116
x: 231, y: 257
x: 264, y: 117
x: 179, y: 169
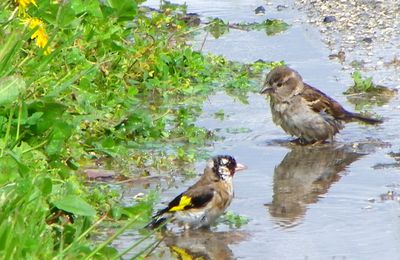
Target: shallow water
x: 303, y: 202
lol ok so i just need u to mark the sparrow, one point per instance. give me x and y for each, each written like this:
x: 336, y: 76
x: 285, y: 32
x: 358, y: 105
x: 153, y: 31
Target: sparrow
x: 304, y: 111
x: 202, y: 203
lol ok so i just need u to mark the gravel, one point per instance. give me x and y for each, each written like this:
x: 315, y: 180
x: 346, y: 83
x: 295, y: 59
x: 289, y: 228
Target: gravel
x: 366, y: 31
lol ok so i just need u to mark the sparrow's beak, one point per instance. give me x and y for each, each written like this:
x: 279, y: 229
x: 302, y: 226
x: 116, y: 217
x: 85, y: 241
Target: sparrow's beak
x: 240, y: 167
x: 267, y: 90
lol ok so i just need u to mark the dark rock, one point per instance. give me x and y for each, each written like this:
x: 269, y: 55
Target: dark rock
x: 192, y: 19
x: 281, y: 7
x: 260, y: 10
x: 329, y: 19
x: 367, y: 40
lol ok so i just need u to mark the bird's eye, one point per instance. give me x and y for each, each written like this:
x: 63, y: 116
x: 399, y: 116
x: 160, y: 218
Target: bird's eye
x: 279, y: 84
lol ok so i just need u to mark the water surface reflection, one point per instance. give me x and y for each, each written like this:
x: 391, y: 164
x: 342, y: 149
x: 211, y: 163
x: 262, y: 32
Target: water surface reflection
x: 304, y: 174
x: 203, y: 244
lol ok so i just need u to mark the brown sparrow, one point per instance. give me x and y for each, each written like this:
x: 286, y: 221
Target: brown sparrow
x: 304, y: 111
x: 206, y: 200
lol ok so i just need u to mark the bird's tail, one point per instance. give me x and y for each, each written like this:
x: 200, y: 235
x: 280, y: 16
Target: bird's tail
x: 158, y: 220
x: 368, y: 120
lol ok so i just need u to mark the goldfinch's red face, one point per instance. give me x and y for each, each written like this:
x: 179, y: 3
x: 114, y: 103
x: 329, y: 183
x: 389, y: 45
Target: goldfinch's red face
x: 225, y: 165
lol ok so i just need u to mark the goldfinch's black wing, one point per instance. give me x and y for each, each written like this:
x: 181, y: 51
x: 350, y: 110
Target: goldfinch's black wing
x: 192, y: 198
x: 195, y: 197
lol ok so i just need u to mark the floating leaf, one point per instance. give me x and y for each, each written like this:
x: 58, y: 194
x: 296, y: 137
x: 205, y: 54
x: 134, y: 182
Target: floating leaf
x: 271, y: 26
x: 274, y: 26
x: 218, y: 27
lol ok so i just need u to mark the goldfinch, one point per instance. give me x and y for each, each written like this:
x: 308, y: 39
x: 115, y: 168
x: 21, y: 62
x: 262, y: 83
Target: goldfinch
x: 201, y: 204
x: 304, y: 111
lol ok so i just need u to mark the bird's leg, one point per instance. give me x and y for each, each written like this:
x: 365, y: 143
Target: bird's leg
x: 299, y: 141
x: 318, y: 142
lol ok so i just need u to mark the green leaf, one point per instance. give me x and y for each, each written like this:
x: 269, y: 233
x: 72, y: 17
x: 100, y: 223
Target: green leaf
x: 10, y: 88
x: 33, y: 119
x: 92, y: 7
x: 49, y: 114
x: 45, y: 185
x: 67, y: 16
x: 75, y: 205
x: 124, y: 8
x: 61, y: 132
x: 22, y: 168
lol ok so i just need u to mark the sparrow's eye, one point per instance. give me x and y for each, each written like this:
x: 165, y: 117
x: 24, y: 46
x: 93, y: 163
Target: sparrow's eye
x: 279, y: 84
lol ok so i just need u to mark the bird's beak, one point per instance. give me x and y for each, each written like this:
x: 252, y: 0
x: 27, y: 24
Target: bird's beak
x: 267, y: 90
x: 240, y: 167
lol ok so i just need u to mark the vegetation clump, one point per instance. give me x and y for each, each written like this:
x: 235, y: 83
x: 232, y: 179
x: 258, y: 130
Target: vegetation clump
x: 82, y: 82
x: 365, y: 93
x: 217, y: 27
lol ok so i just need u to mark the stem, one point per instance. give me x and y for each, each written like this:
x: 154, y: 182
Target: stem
x: 204, y: 41
x: 35, y: 147
x: 60, y: 256
x: 155, y: 246
x: 111, y: 238
x: 145, y: 249
x: 133, y: 246
x: 19, y: 120
x: 7, y: 132
x: 84, y: 234
x: 143, y: 239
x: 12, y: 14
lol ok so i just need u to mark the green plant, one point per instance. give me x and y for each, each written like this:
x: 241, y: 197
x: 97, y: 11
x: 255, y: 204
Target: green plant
x: 365, y: 93
x: 270, y: 26
x: 234, y: 220
x: 362, y: 84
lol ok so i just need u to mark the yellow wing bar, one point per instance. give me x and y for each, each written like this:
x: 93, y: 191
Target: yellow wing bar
x: 184, y: 201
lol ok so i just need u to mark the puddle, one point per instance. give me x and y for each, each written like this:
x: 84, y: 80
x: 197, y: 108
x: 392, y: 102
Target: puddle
x: 322, y: 202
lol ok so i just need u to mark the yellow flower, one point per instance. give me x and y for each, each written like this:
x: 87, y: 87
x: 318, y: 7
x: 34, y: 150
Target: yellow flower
x: 40, y: 36
x: 23, y: 4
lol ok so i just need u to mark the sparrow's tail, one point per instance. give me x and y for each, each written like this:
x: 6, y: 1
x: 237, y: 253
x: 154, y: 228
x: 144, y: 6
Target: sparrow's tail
x: 368, y: 120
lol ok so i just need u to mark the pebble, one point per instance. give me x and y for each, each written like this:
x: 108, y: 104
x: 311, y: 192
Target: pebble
x: 281, y: 7
x: 139, y: 195
x: 329, y: 19
x: 367, y: 40
x: 259, y: 10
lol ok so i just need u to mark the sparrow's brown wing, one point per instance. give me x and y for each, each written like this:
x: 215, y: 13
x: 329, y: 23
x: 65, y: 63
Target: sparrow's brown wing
x: 194, y: 197
x: 320, y: 102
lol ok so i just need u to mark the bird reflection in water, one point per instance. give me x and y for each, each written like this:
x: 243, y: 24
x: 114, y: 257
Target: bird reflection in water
x: 202, y: 244
x: 303, y: 176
